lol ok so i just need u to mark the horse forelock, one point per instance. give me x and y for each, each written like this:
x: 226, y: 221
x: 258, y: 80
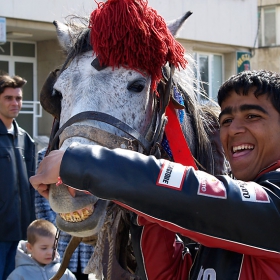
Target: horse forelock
x: 132, y: 33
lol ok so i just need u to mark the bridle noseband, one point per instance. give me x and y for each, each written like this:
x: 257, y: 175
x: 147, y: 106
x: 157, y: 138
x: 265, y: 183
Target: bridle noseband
x: 101, y: 117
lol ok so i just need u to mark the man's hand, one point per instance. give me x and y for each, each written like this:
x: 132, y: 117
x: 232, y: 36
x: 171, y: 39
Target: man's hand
x: 47, y: 173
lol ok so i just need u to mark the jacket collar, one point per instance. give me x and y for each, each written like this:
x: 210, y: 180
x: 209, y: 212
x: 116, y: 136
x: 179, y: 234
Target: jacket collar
x: 271, y: 167
x: 3, y: 129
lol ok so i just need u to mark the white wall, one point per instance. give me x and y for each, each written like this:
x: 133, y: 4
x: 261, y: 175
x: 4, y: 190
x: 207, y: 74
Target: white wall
x: 232, y: 22
x: 45, y: 10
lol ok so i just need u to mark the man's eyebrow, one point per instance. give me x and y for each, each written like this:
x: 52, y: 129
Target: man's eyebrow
x: 11, y: 96
x: 242, y: 108
x: 247, y: 107
x: 227, y: 110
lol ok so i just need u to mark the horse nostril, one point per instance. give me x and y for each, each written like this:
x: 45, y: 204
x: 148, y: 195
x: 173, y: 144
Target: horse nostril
x: 72, y: 191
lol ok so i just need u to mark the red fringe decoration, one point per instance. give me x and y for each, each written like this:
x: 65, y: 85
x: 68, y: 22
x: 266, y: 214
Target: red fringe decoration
x: 130, y: 34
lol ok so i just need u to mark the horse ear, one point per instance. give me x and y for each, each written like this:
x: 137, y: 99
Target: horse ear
x: 176, y: 24
x: 64, y: 35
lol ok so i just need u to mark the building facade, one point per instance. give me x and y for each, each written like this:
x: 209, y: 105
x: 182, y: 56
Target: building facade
x: 221, y: 36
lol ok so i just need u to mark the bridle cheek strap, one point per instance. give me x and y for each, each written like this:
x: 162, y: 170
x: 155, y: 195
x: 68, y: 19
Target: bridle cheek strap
x: 176, y: 139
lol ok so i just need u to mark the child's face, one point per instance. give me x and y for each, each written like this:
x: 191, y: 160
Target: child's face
x: 42, y: 249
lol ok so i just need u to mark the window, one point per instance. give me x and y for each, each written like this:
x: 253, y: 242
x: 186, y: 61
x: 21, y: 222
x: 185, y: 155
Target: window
x: 209, y: 72
x: 268, y: 26
x: 19, y: 58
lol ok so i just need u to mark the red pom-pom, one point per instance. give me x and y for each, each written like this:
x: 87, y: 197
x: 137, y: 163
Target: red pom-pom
x: 130, y: 34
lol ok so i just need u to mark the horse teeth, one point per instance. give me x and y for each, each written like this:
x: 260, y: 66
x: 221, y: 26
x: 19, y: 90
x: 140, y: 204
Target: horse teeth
x: 77, y: 216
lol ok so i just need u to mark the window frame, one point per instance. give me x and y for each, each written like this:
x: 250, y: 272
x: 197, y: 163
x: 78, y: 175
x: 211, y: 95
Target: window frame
x: 211, y: 69
x: 261, y: 35
x: 29, y: 106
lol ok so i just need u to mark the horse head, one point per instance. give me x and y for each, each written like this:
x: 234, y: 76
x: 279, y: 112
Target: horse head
x: 84, y: 86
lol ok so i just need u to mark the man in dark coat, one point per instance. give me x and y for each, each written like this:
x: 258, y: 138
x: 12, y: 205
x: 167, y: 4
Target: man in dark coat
x: 17, y: 164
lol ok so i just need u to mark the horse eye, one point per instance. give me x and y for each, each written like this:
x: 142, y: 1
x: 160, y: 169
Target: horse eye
x: 136, y: 86
x: 56, y: 92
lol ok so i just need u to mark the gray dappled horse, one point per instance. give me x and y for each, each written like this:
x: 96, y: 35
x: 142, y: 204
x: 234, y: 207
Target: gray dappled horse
x: 115, y: 107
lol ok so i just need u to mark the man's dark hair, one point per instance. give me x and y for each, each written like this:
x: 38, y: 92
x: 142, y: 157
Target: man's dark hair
x: 7, y: 81
x: 261, y: 81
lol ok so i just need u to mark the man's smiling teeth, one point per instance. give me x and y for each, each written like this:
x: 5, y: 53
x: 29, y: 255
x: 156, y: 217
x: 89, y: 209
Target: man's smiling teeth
x: 242, y: 147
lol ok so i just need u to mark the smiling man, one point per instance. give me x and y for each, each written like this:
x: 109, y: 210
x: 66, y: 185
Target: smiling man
x: 17, y: 164
x: 235, y: 219
x: 250, y: 122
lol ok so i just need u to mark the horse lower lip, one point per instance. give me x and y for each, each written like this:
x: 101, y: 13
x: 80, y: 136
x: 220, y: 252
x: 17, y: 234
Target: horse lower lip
x: 78, y: 215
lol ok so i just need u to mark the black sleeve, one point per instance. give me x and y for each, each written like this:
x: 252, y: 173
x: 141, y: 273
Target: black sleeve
x: 215, y: 211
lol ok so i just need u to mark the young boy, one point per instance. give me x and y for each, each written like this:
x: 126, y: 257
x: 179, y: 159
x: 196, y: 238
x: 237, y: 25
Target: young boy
x: 34, y: 256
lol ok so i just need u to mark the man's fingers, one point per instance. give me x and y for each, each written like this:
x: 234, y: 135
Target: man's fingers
x: 33, y: 182
x: 47, y: 173
x: 36, y: 181
x: 42, y: 187
x: 43, y: 190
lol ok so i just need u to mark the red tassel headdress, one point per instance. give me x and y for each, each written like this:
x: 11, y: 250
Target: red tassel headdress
x: 128, y: 33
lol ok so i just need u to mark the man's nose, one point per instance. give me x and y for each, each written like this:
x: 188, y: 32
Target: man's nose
x: 15, y: 101
x: 236, y: 127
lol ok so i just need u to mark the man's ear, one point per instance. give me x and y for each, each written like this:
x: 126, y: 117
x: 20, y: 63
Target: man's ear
x: 29, y: 247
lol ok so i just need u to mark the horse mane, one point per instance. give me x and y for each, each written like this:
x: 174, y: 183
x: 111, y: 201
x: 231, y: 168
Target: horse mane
x: 203, y: 117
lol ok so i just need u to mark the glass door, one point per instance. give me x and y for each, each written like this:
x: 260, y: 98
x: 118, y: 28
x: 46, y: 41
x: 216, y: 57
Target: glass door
x: 19, y: 58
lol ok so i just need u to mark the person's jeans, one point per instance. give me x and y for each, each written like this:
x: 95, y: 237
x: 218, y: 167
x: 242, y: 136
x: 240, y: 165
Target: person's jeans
x: 7, y: 258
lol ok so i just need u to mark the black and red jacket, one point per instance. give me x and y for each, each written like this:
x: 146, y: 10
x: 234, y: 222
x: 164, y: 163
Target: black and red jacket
x: 237, y: 223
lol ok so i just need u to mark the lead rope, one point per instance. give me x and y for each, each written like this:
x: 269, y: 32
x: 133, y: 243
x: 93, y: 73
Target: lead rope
x: 95, y: 265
